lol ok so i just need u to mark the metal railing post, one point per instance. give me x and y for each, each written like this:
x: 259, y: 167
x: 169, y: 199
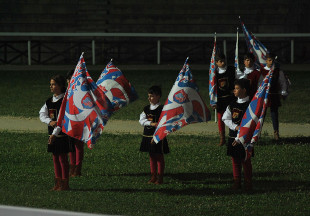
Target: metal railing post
x: 29, y: 52
x: 292, y: 51
x: 93, y: 48
x: 158, y: 51
x: 224, y: 47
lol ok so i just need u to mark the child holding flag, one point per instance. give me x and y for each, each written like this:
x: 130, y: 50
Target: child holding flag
x: 149, y: 119
x: 58, y: 144
x: 232, y: 118
x: 225, y: 77
x: 278, y: 89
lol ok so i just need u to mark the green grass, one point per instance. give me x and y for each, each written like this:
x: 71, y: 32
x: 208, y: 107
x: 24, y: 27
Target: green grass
x: 25, y: 92
x: 197, y: 180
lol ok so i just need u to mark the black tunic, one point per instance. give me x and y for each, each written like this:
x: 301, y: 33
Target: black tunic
x: 274, y: 95
x: 237, y: 111
x: 225, y: 87
x: 61, y: 143
x: 162, y: 146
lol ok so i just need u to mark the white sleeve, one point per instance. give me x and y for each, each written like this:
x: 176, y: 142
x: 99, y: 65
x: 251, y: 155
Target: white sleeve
x: 143, y: 120
x: 228, y: 120
x: 239, y: 74
x: 56, y: 130
x: 282, y: 84
x: 43, y: 114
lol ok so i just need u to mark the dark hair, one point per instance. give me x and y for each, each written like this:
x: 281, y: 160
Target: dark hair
x: 244, y: 84
x: 155, y: 90
x: 271, y: 55
x: 220, y: 56
x: 249, y: 56
x: 69, y: 74
x: 61, y: 81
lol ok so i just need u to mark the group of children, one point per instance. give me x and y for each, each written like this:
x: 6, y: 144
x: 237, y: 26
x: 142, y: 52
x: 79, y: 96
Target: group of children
x: 235, y: 90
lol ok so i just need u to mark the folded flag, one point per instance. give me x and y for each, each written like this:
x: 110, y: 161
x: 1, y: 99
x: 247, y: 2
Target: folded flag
x: 116, y: 87
x: 85, y: 109
x: 253, y: 119
x: 212, y: 77
x: 184, y: 106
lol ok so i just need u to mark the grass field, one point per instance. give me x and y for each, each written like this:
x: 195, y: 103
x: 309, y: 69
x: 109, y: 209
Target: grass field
x: 26, y: 92
x: 197, y: 181
x: 198, y: 172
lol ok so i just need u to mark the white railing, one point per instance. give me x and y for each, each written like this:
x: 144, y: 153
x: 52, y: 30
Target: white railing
x: 291, y: 36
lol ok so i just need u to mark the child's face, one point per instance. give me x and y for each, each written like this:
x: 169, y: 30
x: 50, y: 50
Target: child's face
x: 269, y: 62
x: 248, y: 63
x: 153, y: 98
x: 55, y: 88
x: 239, y: 92
x: 220, y: 63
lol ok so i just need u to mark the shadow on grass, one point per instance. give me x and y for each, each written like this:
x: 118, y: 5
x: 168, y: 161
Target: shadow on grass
x: 285, y: 141
x: 208, y: 184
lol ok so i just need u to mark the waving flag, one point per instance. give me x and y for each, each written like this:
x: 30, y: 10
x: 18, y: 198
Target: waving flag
x: 85, y: 109
x: 255, y: 47
x: 253, y: 119
x: 183, y: 106
x: 116, y: 87
x: 212, y: 77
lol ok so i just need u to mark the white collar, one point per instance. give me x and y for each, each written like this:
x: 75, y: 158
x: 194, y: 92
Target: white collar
x: 243, y: 100
x: 267, y: 68
x: 248, y: 70
x: 154, y: 106
x: 56, y: 98
x: 222, y: 70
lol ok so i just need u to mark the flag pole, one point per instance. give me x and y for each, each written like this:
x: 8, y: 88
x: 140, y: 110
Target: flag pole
x: 215, y: 115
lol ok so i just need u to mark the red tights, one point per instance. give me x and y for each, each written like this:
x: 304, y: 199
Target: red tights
x: 76, y: 157
x: 247, y: 168
x: 61, y: 165
x: 220, y: 123
x: 157, y: 161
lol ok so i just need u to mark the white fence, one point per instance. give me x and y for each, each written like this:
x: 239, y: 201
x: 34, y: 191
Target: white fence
x: 287, y: 36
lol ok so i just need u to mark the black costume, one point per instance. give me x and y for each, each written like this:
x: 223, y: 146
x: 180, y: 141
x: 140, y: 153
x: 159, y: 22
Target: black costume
x: 146, y: 146
x: 61, y: 143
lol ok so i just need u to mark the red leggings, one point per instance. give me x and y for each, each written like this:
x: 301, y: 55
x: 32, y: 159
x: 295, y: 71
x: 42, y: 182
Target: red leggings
x: 220, y: 123
x: 157, y: 161
x: 247, y: 168
x: 76, y: 157
x: 61, y: 165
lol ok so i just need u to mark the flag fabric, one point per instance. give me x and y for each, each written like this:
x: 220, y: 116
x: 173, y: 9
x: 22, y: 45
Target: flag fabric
x: 183, y: 106
x: 212, y: 77
x: 116, y: 87
x: 85, y: 109
x: 253, y: 119
x: 255, y: 47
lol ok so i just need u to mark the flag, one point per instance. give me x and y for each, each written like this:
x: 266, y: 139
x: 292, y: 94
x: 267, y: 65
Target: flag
x: 85, y: 109
x: 212, y: 77
x: 255, y: 47
x: 183, y: 106
x: 253, y: 119
x: 116, y: 87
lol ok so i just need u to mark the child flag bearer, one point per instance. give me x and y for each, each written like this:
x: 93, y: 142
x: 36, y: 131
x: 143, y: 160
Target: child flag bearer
x: 249, y: 131
x: 232, y: 118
